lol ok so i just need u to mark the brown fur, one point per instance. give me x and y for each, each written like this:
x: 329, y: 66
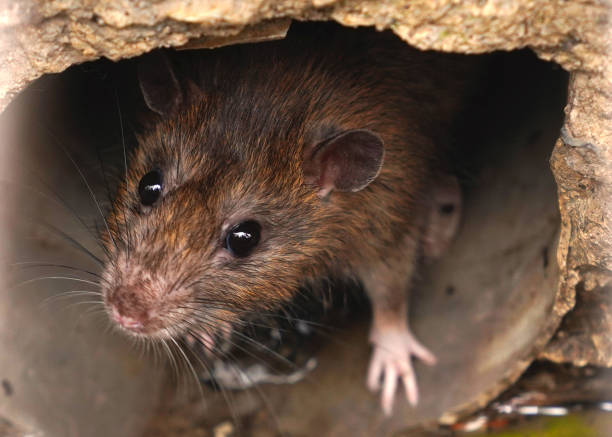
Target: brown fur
x: 234, y: 151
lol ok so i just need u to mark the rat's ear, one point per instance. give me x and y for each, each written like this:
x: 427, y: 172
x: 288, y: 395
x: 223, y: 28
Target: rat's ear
x: 160, y: 88
x: 348, y: 161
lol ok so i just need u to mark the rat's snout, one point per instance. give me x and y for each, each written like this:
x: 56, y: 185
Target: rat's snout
x: 126, y: 321
x: 143, y: 296
x: 130, y: 307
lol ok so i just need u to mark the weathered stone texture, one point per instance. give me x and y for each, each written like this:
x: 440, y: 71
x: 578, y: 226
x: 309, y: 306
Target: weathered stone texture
x: 39, y: 37
x: 48, y: 36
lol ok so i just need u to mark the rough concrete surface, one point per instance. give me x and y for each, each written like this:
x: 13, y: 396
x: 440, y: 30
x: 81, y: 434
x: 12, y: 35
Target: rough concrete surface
x: 63, y: 373
x: 38, y: 37
x: 47, y: 36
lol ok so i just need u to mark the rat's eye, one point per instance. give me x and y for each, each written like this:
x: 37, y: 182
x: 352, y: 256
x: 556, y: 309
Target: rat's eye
x: 150, y: 187
x: 242, y: 238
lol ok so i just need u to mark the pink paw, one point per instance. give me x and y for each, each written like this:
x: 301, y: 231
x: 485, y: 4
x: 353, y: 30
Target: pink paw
x: 392, y: 360
x: 208, y: 341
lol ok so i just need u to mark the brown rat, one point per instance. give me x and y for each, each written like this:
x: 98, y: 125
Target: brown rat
x: 279, y: 163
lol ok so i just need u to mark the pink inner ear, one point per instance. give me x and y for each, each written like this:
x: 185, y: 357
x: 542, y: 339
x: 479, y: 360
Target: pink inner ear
x: 349, y: 161
x: 330, y: 172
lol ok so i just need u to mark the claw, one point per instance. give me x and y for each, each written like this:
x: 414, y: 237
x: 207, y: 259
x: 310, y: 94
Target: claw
x: 392, y: 360
x: 207, y: 340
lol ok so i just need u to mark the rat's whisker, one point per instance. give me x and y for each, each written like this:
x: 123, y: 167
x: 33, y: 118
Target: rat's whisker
x: 62, y: 278
x: 171, y: 358
x: 128, y: 239
x: 84, y: 179
x: 68, y: 295
x: 190, y: 367
x: 251, y: 341
x: 36, y: 264
x: 54, y: 197
x: 224, y: 392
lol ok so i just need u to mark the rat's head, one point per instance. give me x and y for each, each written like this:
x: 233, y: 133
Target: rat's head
x: 213, y: 224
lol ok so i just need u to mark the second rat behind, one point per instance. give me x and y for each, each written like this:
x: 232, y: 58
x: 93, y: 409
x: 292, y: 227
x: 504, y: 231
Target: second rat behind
x: 274, y: 165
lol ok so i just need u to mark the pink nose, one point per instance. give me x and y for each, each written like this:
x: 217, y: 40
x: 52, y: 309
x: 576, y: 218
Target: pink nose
x: 126, y: 321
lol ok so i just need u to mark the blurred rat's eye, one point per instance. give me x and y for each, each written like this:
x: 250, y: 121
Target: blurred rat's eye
x: 150, y: 187
x: 242, y: 238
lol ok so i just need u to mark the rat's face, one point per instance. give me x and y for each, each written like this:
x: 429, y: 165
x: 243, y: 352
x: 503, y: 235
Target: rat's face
x: 204, y: 236
x: 224, y: 210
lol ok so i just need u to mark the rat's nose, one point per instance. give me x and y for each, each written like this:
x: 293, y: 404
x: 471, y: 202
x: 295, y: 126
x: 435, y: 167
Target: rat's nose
x: 126, y: 321
x: 129, y: 308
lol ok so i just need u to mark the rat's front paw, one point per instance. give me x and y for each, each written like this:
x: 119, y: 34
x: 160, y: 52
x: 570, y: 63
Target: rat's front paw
x: 211, y: 343
x: 392, y: 360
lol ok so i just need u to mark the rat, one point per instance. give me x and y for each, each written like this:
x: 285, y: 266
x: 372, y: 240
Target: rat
x: 270, y: 165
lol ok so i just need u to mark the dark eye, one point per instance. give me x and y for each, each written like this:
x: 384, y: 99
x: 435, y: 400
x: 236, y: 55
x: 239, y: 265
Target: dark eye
x: 242, y: 238
x: 150, y: 187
